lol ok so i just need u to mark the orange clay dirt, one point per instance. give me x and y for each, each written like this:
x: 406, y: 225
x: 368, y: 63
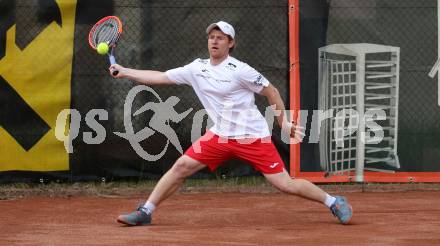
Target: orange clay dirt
x: 232, y: 218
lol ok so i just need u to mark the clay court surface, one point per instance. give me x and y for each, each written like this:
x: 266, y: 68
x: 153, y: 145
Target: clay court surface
x: 381, y: 218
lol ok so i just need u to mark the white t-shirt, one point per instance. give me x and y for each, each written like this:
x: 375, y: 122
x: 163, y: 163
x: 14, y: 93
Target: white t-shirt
x: 227, y: 92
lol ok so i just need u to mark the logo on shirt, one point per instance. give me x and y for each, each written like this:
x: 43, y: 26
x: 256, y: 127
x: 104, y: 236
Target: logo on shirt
x: 258, y: 81
x: 205, y: 74
x: 203, y: 61
x: 207, y: 77
x: 231, y: 66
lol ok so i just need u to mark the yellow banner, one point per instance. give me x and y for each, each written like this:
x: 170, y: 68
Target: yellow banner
x: 41, y: 75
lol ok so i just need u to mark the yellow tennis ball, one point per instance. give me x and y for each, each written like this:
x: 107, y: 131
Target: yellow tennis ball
x: 102, y: 48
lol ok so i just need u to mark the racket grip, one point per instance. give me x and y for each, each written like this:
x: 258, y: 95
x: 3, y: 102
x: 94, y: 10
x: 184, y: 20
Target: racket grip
x: 112, y: 59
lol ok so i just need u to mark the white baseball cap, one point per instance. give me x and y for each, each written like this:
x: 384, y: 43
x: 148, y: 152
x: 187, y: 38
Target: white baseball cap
x: 225, y: 27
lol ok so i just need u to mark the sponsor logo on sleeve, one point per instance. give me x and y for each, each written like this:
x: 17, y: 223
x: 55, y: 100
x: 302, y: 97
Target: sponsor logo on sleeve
x: 258, y: 80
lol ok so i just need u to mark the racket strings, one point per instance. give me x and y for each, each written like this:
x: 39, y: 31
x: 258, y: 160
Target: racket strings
x: 106, y: 32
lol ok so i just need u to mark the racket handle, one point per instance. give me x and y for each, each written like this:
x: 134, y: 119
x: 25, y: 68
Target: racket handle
x: 112, y: 59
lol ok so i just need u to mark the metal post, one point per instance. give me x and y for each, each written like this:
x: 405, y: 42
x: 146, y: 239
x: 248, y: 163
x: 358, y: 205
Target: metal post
x: 360, y: 102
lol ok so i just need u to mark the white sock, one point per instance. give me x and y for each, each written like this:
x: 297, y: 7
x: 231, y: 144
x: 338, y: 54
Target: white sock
x: 149, y: 207
x: 329, y: 200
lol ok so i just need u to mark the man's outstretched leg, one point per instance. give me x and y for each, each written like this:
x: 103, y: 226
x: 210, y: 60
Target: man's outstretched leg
x: 338, y: 205
x: 167, y: 185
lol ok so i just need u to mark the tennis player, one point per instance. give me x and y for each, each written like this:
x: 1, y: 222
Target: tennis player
x: 226, y: 86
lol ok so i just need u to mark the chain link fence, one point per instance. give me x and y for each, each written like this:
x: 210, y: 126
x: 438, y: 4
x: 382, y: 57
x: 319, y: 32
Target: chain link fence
x: 410, y: 25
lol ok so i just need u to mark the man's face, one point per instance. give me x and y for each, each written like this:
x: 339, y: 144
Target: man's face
x: 219, y: 44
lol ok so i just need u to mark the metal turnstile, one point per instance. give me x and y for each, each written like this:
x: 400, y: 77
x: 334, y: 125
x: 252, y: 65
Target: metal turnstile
x: 359, y: 85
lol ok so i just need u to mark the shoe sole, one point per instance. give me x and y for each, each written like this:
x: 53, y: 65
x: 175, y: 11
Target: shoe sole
x: 125, y: 222
x: 122, y: 221
x: 349, y: 219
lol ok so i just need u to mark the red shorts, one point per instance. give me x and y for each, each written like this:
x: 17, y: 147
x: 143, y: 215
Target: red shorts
x: 212, y: 151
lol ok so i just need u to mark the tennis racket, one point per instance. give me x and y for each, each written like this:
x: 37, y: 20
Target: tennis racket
x: 106, y: 30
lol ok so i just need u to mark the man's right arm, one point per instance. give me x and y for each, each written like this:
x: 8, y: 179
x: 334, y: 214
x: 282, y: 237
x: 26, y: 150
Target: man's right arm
x: 148, y: 77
